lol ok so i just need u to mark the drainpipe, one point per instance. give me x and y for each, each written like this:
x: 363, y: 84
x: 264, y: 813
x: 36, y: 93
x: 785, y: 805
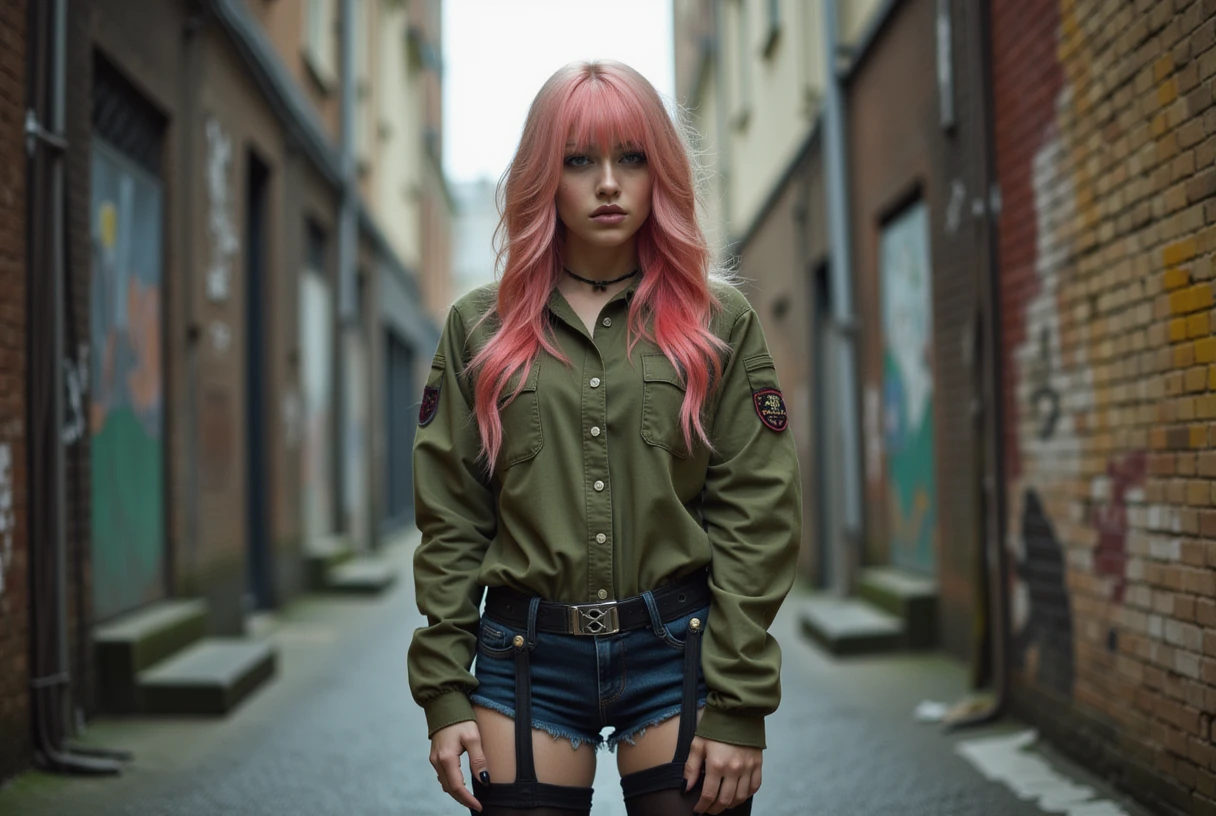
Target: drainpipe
x: 50, y: 678
x: 989, y: 355
x: 348, y: 237
x: 724, y: 135
x: 846, y: 539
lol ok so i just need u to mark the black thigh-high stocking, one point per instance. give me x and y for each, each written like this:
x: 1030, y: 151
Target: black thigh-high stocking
x: 675, y: 802
x: 500, y: 810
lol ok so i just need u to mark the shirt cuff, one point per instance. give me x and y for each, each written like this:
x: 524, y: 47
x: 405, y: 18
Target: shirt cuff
x: 447, y: 709
x: 735, y: 729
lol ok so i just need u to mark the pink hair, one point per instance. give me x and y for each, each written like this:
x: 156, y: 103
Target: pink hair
x: 601, y: 103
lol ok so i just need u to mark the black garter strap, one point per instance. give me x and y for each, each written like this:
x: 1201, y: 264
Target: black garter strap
x: 671, y: 775
x: 526, y: 791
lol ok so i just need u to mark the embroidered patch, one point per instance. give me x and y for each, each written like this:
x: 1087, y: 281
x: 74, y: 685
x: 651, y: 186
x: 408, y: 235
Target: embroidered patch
x: 770, y: 405
x: 430, y: 405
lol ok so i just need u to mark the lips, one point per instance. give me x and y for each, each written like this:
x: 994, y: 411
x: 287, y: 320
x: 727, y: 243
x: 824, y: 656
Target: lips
x: 608, y: 209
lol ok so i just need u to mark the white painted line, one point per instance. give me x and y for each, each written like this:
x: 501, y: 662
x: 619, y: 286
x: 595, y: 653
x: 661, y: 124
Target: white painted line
x: 1003, y: 759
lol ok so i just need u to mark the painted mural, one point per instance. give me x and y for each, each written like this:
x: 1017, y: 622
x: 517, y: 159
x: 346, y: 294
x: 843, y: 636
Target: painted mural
x: 907, y: 399
x: 126, y: 400
x: 316, y: 347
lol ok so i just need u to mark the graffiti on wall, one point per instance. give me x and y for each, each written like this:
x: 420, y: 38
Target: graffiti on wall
x: 907, y: 399
x: 126, y: 407
x: 221, y: 227
x: 8, y: 518
x: 76, y: 387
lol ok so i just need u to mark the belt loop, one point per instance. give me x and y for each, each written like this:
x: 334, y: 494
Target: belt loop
x: 656, y: 620
x: 533, y: 607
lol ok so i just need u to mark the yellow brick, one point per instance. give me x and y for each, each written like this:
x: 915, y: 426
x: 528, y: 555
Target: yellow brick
x: 1163, y: 67
x: 1175, y: 278
x: 1205, y: 350
x: 1212, y: 378
x: 1203, y: 295
x: 1179, y: 329
x: 1179, y: 253
x: 1184, y: 356
x: 1198, y: 436
x: 1198, y: 325
x: 1180, y: 302
x: 1167, y: 92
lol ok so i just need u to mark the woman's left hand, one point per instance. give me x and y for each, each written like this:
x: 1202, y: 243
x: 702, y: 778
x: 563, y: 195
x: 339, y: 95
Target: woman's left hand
x: 732, y: 774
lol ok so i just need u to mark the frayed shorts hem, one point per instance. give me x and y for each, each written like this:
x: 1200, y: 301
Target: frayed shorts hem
x: 631, y: 735
x: 555, y: 731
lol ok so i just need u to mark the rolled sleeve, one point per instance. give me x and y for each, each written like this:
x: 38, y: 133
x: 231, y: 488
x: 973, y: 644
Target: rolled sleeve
x: 454, y: 507
x: 753, y: 516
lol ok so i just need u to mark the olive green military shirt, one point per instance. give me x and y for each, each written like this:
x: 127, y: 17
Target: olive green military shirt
x: 595, y: 496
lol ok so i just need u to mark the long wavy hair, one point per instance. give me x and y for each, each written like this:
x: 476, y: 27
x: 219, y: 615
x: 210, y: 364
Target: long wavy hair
x: 602, y: 103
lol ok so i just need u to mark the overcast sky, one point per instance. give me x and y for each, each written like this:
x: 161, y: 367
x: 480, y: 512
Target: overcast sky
x: 497, y: 54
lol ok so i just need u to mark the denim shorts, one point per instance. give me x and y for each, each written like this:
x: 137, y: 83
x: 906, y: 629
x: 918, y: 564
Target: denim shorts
x: 638, y: 679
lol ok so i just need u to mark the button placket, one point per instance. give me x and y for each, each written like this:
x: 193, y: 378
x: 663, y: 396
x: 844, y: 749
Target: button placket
x: 599, y: 493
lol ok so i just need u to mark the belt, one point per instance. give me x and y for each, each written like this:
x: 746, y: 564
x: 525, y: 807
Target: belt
x: 675, y: 600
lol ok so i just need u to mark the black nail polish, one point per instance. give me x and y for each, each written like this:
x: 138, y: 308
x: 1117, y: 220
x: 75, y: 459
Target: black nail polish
x: 484, y: 776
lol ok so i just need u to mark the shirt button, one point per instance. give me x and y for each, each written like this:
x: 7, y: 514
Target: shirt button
x: 595, y: 431
x: 595, y: 382
x: 601, y: 538
x: 603, y: 593
x: 607, y: 321
x: 598, y: 486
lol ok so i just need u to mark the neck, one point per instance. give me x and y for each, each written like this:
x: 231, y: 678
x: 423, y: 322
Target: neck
x: 600, y: 263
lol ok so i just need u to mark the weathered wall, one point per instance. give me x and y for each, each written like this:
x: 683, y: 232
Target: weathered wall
x: 1105, y: 149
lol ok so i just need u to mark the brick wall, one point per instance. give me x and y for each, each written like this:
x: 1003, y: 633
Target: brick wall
x: 14, y: 606
x: 1103, y: 114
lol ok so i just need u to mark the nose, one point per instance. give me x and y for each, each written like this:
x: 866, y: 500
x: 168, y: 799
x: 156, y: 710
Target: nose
x: 607, y: 184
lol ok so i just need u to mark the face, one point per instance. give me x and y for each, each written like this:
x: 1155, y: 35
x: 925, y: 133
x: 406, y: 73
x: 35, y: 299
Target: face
x: 604, y: 196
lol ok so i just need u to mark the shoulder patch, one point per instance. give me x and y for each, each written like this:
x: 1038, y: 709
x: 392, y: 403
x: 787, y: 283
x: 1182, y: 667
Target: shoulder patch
x: 430, y: 405
x: 770, y: 406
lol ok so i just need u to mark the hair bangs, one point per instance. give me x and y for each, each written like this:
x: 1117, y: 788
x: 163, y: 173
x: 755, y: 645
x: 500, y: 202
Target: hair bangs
x: 600, y: 114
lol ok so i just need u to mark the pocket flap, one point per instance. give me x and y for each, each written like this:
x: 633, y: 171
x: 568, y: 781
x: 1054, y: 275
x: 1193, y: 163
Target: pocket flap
x: 657, y: 368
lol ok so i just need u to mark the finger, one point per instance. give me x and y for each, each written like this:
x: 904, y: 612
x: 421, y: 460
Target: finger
x: 692, y: 768
x: 709, y: 792
x: 477, y: 761
x: 756, y: 781
x: 726, y: 794
x: 454, y: 783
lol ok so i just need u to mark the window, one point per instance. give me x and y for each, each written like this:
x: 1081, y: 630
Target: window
x: 743, y: 66
x: 774, y: 28
x: 320, y: 42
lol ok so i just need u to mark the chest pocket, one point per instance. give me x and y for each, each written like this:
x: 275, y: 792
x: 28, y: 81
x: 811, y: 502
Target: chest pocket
x: 662, y: 397
x: 522, y: 437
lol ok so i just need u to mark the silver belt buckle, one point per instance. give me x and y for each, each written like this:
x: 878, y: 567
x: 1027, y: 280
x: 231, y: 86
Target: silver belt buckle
x: 595, y: 619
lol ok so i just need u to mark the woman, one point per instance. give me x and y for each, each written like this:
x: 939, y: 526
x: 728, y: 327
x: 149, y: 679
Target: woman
x: 602, y: 444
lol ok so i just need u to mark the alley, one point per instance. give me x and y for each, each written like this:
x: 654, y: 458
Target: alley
x: 337, y: 733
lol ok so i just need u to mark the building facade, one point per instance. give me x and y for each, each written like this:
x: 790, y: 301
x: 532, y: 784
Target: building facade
x: 1026, y: 196
x: 240, y: 333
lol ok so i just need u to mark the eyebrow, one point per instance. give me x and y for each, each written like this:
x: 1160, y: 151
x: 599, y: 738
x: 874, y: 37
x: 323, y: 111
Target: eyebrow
x: 619, y: 146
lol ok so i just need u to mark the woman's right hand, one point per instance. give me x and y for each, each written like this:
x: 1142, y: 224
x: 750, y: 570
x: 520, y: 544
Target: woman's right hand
x: 446, y: 747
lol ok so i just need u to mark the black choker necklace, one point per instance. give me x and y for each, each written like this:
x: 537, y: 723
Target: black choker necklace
x: 599, y: 285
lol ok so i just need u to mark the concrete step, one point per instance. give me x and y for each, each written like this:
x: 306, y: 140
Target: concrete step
x: 360, y: 576
x: 850, y: 626
x: 131, y: 643
x: 210, y: 677
x: 321, y: 556
x: 907, y: 595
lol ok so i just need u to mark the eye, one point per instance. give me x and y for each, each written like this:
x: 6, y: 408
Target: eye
x: 634, y: 157
x: 576, y: 160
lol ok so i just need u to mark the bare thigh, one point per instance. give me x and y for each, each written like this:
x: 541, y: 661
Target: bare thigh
x: 655, y: 747
x: 557, y: 763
